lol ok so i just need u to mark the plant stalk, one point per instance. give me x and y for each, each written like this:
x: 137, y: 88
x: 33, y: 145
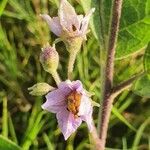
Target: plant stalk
x: 107, y: 99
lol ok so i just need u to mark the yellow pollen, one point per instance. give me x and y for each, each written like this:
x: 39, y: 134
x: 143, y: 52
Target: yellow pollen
x: 73, y: 103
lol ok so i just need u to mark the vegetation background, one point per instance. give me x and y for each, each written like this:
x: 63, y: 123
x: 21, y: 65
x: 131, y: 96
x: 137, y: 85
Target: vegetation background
x: 23, y: 124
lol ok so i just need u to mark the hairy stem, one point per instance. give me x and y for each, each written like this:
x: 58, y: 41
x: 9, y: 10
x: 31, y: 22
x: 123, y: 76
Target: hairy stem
x: 72, y: 58
x: 96, y: 140
x: 109, y: 70
x: 56, y: 77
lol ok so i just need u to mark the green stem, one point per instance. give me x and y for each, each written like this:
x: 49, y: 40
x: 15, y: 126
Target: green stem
x: 56, y: 77
x: 72, y: 58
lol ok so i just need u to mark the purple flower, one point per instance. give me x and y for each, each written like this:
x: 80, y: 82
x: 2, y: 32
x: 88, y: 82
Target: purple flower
x: 68, y: 23
x: 71, y: 104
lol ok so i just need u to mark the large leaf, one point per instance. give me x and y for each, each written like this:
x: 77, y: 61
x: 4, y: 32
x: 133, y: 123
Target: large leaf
x: 147, y: 59
x: 6, y: 144
x: 142, y: 86
x: 134, y: 31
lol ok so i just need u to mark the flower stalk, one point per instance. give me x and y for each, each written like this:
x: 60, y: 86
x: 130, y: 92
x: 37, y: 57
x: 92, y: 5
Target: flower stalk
x: 72, y: 58
x: 73, y: 47
x: 56, y: 77
x: 107, y: 99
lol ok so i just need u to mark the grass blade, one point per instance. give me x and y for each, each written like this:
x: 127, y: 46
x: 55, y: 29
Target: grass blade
x: 12, y: 130
x: 121, y: 118
x: 139, y: 134
x: 48, y: 142
x: 5, y: 116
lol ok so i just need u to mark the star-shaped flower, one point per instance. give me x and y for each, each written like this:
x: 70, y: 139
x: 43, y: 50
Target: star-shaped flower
x: 72, y: 105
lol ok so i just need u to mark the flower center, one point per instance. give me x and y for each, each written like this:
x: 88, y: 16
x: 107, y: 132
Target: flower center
x: 73, y: 102
x: 74, y: 28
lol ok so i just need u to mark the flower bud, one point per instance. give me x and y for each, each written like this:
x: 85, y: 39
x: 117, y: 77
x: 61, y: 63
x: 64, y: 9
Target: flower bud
x: 49, y: 59
x: 40, y: 89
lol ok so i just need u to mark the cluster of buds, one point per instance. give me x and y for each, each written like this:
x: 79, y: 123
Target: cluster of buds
x: 70, y: 101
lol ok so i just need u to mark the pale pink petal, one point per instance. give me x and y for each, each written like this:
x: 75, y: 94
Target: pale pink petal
x: 67, y: 123
x: 89, y: 120
x: 53, y: 23
x: 80, y: 18
x: 68, y: 16
x: 85, y: 106
x: 85, y: 21
x: 55, y: 101
x: 85, y: 111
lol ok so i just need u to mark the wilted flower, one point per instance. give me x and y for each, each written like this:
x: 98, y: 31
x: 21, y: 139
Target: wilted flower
x: 71, y: 104
x: 40, y: 89
x: 49, y: 59
x: 72, y: 28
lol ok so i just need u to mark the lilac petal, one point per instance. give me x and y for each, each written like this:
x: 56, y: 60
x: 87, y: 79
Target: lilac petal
x: 53, y: 23
x: 67, y: 123
x: 55, y: 101
x: 77, y: 85
x: 85, y: 21
x: 65, y: 87
x: 68, y: 86
x: 68, y: 16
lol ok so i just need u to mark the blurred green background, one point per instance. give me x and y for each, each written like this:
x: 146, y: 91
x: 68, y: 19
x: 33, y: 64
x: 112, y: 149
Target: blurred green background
x: 22, y: 121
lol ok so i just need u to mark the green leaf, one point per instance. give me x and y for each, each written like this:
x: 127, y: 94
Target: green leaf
x: 133, y: 38
x: 142, y: 86
x: 6, y: 144
x: 134, y: 31
x: 147, y: 59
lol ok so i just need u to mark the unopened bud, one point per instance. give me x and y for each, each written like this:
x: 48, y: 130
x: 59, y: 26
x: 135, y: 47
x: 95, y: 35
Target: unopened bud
x: 49, y: 59
x: 40, y: 89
